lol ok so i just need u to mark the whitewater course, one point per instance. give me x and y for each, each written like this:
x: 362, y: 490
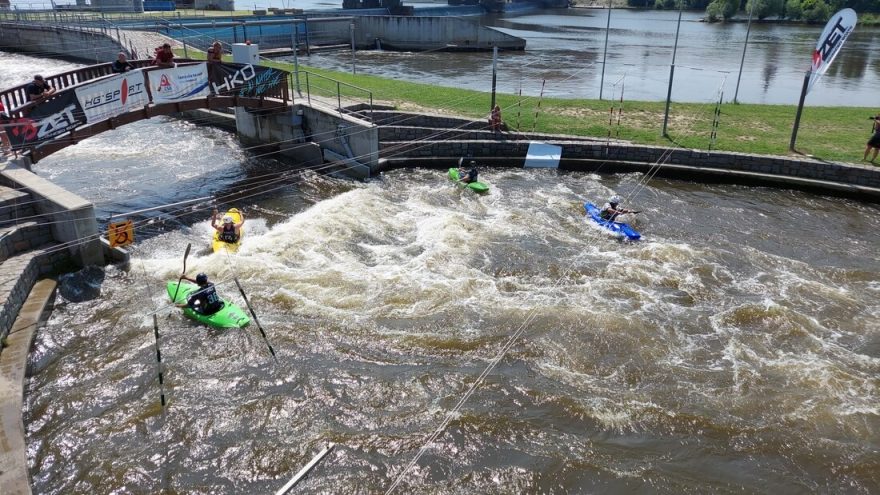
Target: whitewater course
x: 735, y: 348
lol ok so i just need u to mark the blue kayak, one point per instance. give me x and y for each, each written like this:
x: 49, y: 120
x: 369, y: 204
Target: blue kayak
x: 619, y: 228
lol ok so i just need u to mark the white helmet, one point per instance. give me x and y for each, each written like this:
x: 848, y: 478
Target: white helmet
x: 227, y: 219
x: 614, y: 199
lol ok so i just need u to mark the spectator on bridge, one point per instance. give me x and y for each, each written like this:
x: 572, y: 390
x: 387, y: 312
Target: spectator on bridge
x: 39, y: 89
x: 164, y: 57
x: 121, y: 64
x: 215, y: 58
x: 495, y: 122
x: 5, y: 121
x: 215, y: 53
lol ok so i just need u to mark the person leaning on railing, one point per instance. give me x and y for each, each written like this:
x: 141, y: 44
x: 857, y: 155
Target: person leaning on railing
x: 39, y: 89
x: 164, y: 56
x: 121, y: 64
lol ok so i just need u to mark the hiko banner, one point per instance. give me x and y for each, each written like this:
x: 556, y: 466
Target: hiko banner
x: 179, y: 83
x: 46, y: 121
x: 113, y: 96
x: 833, y: 36
x: 247, y: 80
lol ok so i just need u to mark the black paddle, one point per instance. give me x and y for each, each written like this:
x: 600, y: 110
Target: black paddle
x: 185, y: 256
x: 256, y: 320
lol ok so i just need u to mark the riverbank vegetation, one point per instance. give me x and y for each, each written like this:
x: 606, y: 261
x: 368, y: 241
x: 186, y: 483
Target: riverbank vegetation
x: 826, y: 133
x: 810, y: 11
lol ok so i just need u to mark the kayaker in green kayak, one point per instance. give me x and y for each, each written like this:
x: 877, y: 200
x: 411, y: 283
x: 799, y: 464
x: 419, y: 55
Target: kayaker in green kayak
x: 205, y: 300
x: 470, y: 175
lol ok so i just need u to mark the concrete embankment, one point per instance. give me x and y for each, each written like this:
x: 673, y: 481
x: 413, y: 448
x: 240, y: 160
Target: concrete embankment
x: 417, y: 140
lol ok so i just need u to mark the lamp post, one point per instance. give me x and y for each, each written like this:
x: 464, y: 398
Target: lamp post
x: 672, y: 70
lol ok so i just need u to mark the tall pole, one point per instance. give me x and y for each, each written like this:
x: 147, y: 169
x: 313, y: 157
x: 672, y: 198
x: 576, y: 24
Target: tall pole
x: 352, y: 48
x: 296, y: 56
x: 605, y: 52
x: 494, y: 74
x: 746, y: 44
x: 672, y: 70
x: 797, y: 117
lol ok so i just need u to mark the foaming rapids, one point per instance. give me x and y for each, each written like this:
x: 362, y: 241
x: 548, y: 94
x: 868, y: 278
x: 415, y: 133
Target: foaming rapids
x: 707, y: 355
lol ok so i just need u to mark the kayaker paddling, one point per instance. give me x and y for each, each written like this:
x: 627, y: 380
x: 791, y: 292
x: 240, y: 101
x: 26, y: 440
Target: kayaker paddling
x: 611, y: 209
x: 205, y: 300
x: 469, y: 175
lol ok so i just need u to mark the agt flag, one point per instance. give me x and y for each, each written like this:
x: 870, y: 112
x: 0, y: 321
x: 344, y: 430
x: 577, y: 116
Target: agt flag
x: 835, y: 33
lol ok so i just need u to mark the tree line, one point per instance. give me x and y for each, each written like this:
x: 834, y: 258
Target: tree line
x: 812, y: 11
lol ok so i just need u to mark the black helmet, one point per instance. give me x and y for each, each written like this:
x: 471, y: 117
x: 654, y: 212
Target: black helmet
x: 201, y: 279
x: 473, y: 163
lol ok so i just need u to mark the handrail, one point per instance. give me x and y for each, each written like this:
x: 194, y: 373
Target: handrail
x: 339, y: 86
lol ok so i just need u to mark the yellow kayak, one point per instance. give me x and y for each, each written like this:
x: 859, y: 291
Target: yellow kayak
x: 230, y: 247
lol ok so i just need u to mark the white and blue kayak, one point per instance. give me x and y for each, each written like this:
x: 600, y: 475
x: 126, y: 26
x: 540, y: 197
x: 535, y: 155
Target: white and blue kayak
x: 619, y: 228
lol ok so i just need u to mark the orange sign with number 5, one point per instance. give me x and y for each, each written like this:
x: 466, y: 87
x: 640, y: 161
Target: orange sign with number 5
x: 121, y: 233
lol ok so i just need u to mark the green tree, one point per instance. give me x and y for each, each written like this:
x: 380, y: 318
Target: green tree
x: 812, y: 11
x: 722, y: 9
x: 765, y: 8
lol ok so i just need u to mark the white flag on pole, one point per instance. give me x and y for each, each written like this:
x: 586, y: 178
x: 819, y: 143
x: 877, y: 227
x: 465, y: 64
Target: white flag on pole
x: 835, y: 33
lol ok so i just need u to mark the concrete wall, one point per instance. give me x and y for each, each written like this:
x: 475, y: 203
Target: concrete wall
x: 89, y: 47
x: 300, y: 129
x: 72, y: 218
x: 428, y: 33
x: 512, y: 153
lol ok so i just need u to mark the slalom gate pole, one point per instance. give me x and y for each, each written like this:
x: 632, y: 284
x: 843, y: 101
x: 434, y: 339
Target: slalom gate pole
x: 256, y: 320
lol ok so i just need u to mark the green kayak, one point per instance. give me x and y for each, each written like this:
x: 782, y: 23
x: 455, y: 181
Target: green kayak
x: 231, y: 316
x: 477, y: 186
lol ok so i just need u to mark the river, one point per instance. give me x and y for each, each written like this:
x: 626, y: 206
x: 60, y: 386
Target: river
x: 564, y: 54
x: 735, y: 349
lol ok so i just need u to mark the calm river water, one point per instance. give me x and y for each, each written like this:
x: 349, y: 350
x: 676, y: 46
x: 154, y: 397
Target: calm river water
x: 565, y: 52
x: 735, y: 349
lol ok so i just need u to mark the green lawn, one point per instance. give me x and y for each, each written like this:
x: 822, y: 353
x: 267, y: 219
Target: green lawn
x: 827, y: 133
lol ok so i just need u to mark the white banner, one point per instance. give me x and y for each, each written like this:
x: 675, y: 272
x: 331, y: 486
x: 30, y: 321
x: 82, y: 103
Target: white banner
x: 543, y: 155
x: 113, y: 96
x: 835, y: 33
x: 179, y: 83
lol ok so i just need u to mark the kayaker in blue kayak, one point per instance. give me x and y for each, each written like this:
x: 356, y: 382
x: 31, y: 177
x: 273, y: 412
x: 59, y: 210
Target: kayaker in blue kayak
x: 205, y: 300
x: 611, y: 210
x: 470, y: 175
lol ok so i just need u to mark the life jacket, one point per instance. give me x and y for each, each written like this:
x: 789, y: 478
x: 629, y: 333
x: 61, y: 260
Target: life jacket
x: 228, y: 234
x: 472, y: 175
x: 209, y: 301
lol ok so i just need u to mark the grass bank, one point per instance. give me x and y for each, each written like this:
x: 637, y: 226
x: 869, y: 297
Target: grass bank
x: 826, y: 133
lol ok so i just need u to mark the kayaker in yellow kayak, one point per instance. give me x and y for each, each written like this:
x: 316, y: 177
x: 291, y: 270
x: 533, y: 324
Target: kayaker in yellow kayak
x: 228, y: 231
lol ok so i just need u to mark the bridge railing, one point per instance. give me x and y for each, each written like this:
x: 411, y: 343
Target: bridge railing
x: 16, y: 99
x: 325, y: 88
x: 43, y: 130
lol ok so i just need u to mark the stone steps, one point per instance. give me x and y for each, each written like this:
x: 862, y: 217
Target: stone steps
x: 18, y: 274
x: 14, y: 204
x: 13, y: 366
x: 22, y: 237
